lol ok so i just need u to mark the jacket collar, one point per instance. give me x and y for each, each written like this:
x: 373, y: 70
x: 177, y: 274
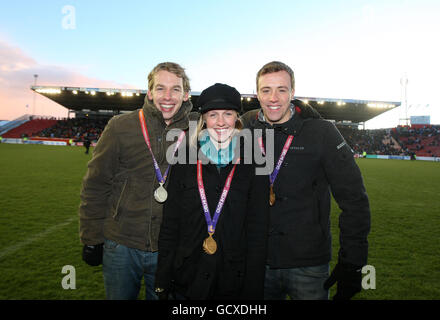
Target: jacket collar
x: 237, y: 151
x: 290, y: 127
x: 179, y: 120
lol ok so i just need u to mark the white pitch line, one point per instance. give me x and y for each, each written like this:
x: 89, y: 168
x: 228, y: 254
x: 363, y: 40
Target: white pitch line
x: 19, y: 245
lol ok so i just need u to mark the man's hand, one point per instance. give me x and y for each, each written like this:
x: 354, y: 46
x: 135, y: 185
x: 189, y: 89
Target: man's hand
x: 92, y: 255
x: 348, y: 278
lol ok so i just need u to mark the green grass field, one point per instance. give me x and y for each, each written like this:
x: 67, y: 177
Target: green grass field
x: 40, y: 187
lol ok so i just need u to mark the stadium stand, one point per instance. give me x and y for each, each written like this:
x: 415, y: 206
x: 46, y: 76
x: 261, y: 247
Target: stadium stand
x: 75, y: 128
x: 29, y: 128
x: 422, y: 140
x: 11, y: 125
x: 93, y: 107
x: 395, y: 141
x: 379, y: 141
x: 401, y: 141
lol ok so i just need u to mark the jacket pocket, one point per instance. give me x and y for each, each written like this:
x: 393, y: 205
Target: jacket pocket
x: 118, y: 203
x: 320, y: 208
x: 110, y: 245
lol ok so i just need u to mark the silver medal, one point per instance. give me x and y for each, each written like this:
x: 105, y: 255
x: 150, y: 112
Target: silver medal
x: 160, y: 194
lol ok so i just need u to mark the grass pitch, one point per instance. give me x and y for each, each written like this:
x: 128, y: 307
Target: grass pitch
x: 40, y: 187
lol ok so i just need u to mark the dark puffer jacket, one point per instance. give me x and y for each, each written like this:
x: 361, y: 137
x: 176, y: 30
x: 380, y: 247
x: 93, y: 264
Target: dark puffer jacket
x: 318, y: 162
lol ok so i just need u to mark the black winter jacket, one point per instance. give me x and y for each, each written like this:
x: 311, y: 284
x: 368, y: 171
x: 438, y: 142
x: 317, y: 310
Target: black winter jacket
x: 318, y: 162
x: 236, y: 270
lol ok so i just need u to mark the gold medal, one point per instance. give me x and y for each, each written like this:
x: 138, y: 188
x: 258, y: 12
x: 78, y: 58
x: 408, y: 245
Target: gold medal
x: 209, y: 245
x: 271, y: 196
x: 160, y: 194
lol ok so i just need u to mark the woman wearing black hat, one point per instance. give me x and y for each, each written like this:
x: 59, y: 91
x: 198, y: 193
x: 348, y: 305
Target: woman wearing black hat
x: 212, y: 243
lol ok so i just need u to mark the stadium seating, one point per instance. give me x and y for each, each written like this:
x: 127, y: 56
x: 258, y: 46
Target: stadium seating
x: 29, y: 128
x: 9, y: 125
x: 402, y: 140
x: 371, y: 141
x: 421, y: 140
x: 75, y: 128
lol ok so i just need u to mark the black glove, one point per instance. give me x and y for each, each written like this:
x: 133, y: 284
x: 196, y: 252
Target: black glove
x: 349, y: 279
x: 92, y: 255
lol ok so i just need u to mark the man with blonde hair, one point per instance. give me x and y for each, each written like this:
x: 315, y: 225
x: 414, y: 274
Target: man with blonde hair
x: 125, y: 186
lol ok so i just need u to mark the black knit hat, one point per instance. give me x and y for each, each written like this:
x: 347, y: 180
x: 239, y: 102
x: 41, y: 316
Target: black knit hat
x: 219, y: 96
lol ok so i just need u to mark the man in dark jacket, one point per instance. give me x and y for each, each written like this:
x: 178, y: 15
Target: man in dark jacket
x: 124, y: 187
x: 311, y: 159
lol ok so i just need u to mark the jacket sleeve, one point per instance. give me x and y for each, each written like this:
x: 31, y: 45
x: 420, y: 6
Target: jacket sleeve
x: 257, y: 230
x: 97, y: 186
x: 348, y: 189
x: 169, y: 232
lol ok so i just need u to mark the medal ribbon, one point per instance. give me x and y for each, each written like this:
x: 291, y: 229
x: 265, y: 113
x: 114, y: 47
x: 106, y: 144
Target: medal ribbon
x: 287, y: 144
x: 213, y: 222
x: 159, y: 176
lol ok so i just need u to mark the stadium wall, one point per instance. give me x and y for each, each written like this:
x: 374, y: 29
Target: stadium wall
x: 35, y: 141
x: 392, y: 157
x: 44, y: 141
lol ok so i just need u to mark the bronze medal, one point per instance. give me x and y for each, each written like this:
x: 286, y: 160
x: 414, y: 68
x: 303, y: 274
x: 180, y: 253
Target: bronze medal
x: 271, y: 196
x: 209, y: 245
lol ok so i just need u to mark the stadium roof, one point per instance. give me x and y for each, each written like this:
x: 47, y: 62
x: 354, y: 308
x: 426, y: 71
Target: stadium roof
x: 106, y: 100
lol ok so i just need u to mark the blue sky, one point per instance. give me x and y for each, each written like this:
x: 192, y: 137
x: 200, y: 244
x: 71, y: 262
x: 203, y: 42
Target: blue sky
x: 338, y: 49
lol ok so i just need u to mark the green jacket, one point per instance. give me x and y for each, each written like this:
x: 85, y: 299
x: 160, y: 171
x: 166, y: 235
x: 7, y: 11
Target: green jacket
x: 117, y: 200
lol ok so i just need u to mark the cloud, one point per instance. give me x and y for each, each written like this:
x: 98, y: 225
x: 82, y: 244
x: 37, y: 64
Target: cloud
x: 17, y: 70
x: 13, y: 59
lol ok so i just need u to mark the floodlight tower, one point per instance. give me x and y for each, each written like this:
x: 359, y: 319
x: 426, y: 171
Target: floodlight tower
x: 35, y: 84
x: 404, y: 84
